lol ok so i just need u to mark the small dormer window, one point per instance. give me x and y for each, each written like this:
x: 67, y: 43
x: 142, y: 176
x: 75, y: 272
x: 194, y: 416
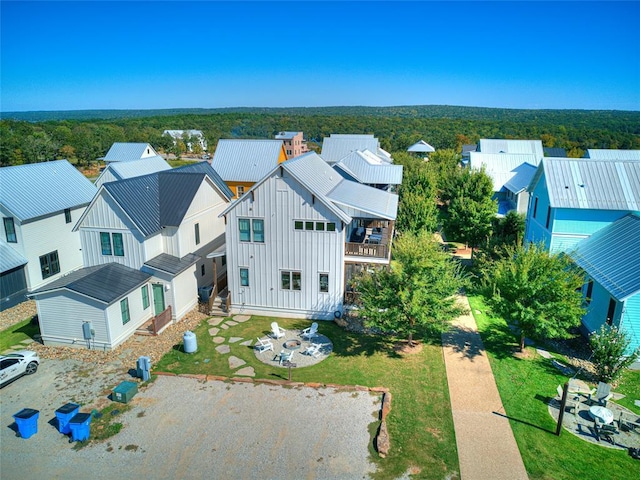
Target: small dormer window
x: 10, y: 230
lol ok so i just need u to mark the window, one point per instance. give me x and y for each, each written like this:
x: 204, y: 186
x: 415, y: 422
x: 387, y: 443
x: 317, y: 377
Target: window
x: 535, y: 207
x: 324, y: 283
x: 612, y: 311
x: 548, y: 217
x: 291, y: 280
x: 10, y: 230
x: 67, y: 215
x: 224, y: 260
x: 258, y: 230
x: 49, y: 264
x: 118, y: 248
x: 320, y: 226
x: 298, y: 224
x: 124, y: 310
x: 244, y: 277
x: 105, y: 241
x: 202, y: 270
x: 245, y: 232
x: 331, y: 227
x: 589, y: 291
x: 145, y: 296
x: 197, y: 229
x: 239, y: 191
x: 308, y: 225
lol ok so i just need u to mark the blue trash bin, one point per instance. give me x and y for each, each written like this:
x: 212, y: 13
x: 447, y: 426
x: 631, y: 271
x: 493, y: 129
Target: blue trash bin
x: 27, y: 422
x: 64, y: 414
x: 79, y: 426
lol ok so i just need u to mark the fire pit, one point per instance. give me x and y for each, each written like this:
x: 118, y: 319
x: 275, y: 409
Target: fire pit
x: 292, y: 344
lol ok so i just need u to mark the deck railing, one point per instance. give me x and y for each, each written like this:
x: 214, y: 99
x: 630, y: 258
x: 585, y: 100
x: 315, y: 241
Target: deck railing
x: 374, y: 250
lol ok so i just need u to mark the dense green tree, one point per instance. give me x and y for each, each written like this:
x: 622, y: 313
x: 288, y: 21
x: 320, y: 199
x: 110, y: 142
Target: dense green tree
x: 417, y: 203
x: 537, y: 292
x: 417, y: 292
x: 470, y: 221
x: 39, y: 147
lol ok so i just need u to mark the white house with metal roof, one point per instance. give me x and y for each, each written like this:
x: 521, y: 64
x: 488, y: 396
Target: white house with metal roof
x: 421, y: 147
x: 116, y: 171
x: 241, y: 163
x: 40, y: 204
x: 611, y: 259
x: 127, y: 151
x: 612, y: 154
x: 337, y: 146
x: 492, y: 145
x: 296, y: 237
x: 368, y: 168
x: 571, y: 199
x: 191, y: 136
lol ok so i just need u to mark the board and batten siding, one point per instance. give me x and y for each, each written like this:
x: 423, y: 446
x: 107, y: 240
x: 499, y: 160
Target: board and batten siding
x: 105, y: 177
x: 134, y: 255
x: 630, y: 322
x: 137, y: 314
x: 184, y: 293
x: 597, y: 308
x: 279, y: 202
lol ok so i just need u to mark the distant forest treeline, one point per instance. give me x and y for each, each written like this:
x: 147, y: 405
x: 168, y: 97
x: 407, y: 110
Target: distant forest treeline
x: 83, y: 136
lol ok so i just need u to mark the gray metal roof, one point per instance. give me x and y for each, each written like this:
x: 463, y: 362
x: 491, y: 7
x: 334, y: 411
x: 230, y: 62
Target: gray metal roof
x: 40, y: 189
x: 170, y: 264
x: 591, y: 184
x: 363, y: 201
x: 487, y: 145
x: 421, y: 146
x: 364, y: 169
x: 521, y: 178
x: 9, y: 258
x: 554, y: 152
x: 205, y: 167
x: 137, y: 168
x: 501, y: 167
x: 612, y: 258
x: 125, y: 152
x: 469, y: 147
x: 337, y: 146
x: 246, y: 160
x: 106, y: 283
x: 612, y: 154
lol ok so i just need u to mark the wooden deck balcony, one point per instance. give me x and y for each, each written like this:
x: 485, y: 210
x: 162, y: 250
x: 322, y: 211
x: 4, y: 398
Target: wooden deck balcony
x: 372, y: 250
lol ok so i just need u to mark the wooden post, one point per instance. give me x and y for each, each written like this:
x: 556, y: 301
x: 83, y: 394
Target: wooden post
x: 563, y: 404
x: 228, y: 301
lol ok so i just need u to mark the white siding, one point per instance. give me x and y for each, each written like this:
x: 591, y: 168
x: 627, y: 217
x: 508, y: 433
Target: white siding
x: 105, y: 176
x: 184, y: 293
x: 105, y: 213
x: 138, y: 316
x: 92, y: 249
x: 170, y: 241
x: 279, y: 203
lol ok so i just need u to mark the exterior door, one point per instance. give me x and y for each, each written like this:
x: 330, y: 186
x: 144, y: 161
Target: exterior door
x: 158, y: 298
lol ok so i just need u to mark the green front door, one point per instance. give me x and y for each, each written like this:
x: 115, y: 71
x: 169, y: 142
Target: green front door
x: 158, y: 298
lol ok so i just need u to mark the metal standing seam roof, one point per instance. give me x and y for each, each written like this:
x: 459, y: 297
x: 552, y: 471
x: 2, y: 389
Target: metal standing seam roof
x: 170, y: 264
x: 421, y: 146
x: 363, y: 201
x: 205, y: 167
x: 246, y: 160
x: 9, y: 258
x: 91, y: 282
x: 360, y: 166
x: 125, y: 152
x: 40, y: 189
x: 488, y: 145
x: 337, y: 146
x: 521, y: 178
x: 137, y: 168
x: 612, y: 258
x: 612, y: 154
x: 591, y: 184
x: 501, y: 167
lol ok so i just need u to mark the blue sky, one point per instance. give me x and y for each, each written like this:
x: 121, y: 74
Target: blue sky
x: 203, y: 54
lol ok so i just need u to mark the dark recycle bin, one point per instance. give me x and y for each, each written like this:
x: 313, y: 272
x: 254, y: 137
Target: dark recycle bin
x: 27, y: 422
x: 64, y: 414
x: 79, y: 426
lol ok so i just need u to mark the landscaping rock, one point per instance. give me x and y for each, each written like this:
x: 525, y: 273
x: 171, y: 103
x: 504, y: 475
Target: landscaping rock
x: 241, y: 318
x: 247, y: 343
x: 218, y: 339
x: 235, y: 362
x: 234, y: 339
x: 382, y: 440
x: 223, y: 349
x: 214, y: 331
x: 246, y: 372
x: 231, y: 323
x: 215, y: 321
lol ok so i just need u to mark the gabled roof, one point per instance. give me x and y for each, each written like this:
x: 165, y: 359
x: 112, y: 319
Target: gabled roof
x: 91, y: 281
x: 246, y: 160
x: 170, y: 264
x: 469, y: 147
x: 343, y: 197
x: 612, y: 258
x: 421, y: 146
x: 487, y: 145
x: 501, y: 167
x: 9, y: 258
x: 40, y: 189
x: 366, y: 167
x: 135, y: 168
x: 612, y: 154
x: 125, y: 152
x: 337, y: 146
x: 591, y: 184
x: 521, y: 178
x: 205, y: 167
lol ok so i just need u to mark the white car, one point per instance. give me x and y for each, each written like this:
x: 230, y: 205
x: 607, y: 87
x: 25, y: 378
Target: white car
x: 16, y: 364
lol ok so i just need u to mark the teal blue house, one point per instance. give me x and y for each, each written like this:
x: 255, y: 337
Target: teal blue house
x: 611, y: 259
x: 571, y: 199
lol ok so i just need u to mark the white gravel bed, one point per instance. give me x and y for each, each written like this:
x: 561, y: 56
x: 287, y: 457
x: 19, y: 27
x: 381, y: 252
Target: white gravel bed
x: 185, y: 428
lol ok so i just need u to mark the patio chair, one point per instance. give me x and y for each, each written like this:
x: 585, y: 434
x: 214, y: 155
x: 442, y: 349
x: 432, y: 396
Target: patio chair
x: 285, y: 356
x: 600, y: 395
x: 263, y: 345
x: 573, y: 400
x: 606, y: 431
x: 276, y: 331
x: 313, y: 350
x: 628, y: 422
x: 310, y: 332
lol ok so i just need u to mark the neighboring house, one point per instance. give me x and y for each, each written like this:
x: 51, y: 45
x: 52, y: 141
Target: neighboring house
x: 294, y: 143
x: 241, y: 163
x: 570, y: 199
x: 421, y: 147
x: 125, y: 152
x: 153, y: 230
x: 466, y: 150
x: 554, y: 152
x: 191, y: 136
x: 369, y: 169
x: 297, y: 237
x: 612, y: 154
x: 13, y: 279
x: 116, y: 171
x: 611, y: 259
x: 487, y: 145
x: 40, y: 203
x: 511, y: 174
x: 337, y: 146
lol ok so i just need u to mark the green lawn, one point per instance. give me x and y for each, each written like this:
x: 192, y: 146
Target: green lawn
x: 16, y: 333
x: 525, y: 388
x: 420, y: 423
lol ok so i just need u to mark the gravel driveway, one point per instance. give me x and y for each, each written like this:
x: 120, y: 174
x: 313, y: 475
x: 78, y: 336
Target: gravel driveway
x: 186, y: 428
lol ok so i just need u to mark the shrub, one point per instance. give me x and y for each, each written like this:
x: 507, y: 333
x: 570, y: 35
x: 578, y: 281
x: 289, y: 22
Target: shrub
x: 609, y: 346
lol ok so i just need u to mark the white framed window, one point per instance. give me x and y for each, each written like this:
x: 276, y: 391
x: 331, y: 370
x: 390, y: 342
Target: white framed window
x: 290, y: 280
x: 324, y: 283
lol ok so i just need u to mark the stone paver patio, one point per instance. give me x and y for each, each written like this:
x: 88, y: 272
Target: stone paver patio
x: 299, y: 358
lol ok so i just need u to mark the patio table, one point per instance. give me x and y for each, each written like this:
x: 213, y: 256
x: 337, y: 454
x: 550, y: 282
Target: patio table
x: 601, y: 413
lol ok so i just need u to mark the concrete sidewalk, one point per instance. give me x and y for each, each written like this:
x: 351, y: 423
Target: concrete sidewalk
x: 487, y: 449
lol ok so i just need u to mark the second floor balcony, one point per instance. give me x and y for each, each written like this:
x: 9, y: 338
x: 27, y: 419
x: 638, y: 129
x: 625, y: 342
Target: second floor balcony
x: 370, y: 239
